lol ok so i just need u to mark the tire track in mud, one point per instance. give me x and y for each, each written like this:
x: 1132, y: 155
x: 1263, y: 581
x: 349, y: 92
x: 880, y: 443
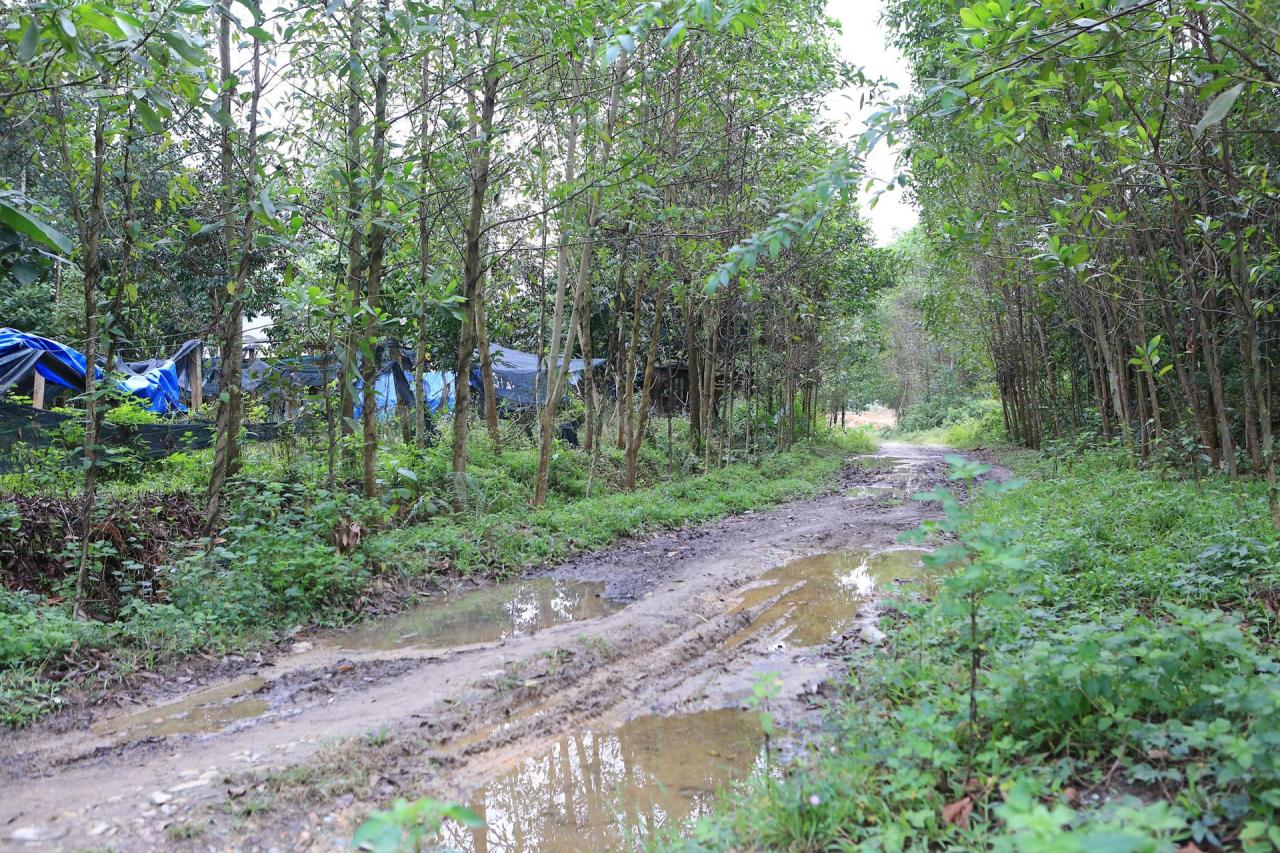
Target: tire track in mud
x: 444, y: 721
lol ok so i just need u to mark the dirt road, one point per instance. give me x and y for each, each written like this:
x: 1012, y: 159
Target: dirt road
x: 455, y: 696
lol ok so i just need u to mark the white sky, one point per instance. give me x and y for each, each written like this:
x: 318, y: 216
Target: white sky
x: 862, y: 42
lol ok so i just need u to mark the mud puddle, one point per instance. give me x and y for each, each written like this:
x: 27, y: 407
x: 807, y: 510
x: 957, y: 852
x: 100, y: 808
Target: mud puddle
x: 484, y: 615
x: 819, y: 595
x: 613, y: 790
x: 202, y: 712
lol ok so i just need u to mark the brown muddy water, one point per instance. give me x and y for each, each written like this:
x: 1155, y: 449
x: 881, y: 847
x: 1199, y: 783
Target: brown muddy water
x: 484, y: 615
x: 613, y: 790
x: 616, y: 789
x: 819, y: 595
x: 202, y: 712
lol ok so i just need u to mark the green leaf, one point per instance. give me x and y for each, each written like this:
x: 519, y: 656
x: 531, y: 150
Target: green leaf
x: 191, y: 53
x: 130, y: 30
x: 219, y: 116
x: 1218, y: 109
x: 64, y: 21
x: 31, y: 226
x: 30, y: 43
x: 149, y: 117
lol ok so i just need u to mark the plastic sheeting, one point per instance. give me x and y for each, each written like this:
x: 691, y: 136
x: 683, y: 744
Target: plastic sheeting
x: 393, y: 384
x: 158, y: 381
x: 516, y: 373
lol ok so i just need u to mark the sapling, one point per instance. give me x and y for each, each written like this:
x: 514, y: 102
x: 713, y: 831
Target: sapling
x: 981, y: 559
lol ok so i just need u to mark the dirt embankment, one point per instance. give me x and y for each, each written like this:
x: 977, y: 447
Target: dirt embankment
x: 291, y: 753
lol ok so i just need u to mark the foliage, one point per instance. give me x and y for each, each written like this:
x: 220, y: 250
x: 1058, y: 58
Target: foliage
x: 1097, y: 179
x: 294, y: 552
x: 1124, y: 694
x: 405, y: 825
x: 967, y: 425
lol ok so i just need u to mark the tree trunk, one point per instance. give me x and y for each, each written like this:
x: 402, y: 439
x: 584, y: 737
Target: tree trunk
x: 377, y: 251
x: 472, y: 272
x: 226, y: 452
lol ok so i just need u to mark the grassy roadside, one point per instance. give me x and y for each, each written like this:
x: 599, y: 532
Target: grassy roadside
x: 1127, y: 691
x: 297, y: 554
x: 965, y: 432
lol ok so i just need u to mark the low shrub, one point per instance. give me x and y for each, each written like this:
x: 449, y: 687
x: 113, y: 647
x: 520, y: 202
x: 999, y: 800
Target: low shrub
x: 1127, y: 688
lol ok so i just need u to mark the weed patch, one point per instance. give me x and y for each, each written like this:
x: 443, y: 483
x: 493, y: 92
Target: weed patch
x: 1099, y: 672
x: 294, y: 551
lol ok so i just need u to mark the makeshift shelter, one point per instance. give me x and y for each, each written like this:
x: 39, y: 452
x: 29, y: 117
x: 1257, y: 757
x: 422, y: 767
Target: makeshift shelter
x: 28, y: 360
x: 516, y: 374
x: 393, y: 385
x: 670, y: 392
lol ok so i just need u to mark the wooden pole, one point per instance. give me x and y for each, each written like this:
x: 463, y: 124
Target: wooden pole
x: 195, y: 376
x: 37, y: 391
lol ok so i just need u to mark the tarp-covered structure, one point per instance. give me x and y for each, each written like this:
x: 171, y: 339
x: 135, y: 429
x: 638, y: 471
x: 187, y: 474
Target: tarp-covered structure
x: 521, y: 377
x: 395, y: 384
x: 158, y: 381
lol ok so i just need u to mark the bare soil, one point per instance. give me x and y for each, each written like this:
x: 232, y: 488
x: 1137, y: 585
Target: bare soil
x: 877, y: 416
x: 291, y: 752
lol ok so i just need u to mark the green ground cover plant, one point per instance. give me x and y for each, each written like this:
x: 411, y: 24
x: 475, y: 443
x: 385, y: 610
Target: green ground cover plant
x: 973, y: 425
x: 294, y: 552
x: 1097, y: 671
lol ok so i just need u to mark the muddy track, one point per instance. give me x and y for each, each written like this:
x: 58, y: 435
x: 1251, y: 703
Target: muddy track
x: 266, y: 759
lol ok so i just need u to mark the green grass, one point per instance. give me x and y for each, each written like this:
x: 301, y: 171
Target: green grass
x: 278, y: 562
x: 1128, y: 694
x: 967, y: 433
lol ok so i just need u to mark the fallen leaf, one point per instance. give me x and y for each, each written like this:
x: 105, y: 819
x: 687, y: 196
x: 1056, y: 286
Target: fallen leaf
x: 958, y: 812
x: 1190, y: 847
x: 1072, y: 795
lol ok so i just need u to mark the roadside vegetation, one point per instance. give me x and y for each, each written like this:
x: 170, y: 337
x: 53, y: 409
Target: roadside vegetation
x: 398, y: 196
x: 1097, y: 669
x: 294, y: 553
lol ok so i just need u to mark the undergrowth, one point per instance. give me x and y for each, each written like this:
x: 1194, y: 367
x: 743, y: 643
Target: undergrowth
x: 295, y: 551
x: 980, y: 424
x: 1119, y: 628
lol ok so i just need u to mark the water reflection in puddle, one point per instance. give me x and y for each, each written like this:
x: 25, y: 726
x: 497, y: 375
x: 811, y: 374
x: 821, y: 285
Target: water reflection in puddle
x: 484, y: 615
x: 613, y: 790
x: 202, y: 712
x: 860, y: 492
x: 824, y: 592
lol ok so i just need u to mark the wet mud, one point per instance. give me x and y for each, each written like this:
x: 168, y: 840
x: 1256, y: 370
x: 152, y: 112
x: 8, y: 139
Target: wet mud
x: 585, y: 707
x: 614, y: 789
x: 483, y: 615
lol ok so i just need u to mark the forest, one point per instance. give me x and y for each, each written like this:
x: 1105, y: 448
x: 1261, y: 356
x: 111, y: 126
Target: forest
x: 501, y: 426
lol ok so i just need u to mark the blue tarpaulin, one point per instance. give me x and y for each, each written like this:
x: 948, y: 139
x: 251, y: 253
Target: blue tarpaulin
x: 158, y: 382
x: 437, y: 387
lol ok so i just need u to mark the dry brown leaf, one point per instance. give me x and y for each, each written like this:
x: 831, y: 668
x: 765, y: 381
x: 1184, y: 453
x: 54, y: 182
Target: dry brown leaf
x: 1072, y: 795
x: 958, y: 812
x: 1190, y: 847
x: 347, y: 535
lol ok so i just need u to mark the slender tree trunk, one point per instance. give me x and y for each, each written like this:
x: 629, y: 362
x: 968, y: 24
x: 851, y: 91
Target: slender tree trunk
x: 420, y: 405
x: 377, y: 252
x: 486, y: 370
x: 90, y: 224
x: 355, y: 229
x: 473, y: 270
x: 558, y: 368
x: 226, y: 451
x: 642, y: 415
